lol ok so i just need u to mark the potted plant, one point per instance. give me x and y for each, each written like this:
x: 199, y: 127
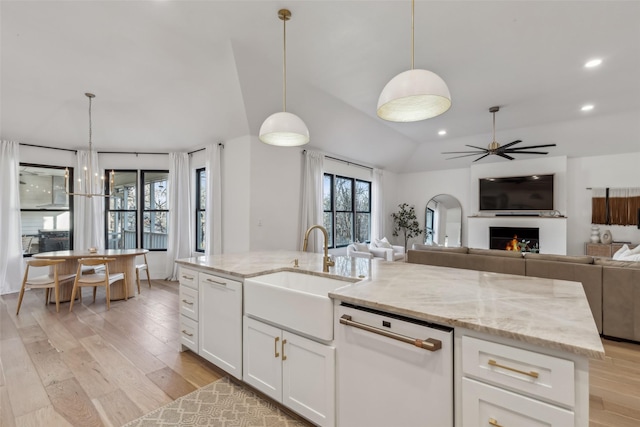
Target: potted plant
x: 406, y: 222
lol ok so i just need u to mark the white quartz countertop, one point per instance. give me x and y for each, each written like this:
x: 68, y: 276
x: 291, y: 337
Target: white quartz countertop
x: 545, y: 312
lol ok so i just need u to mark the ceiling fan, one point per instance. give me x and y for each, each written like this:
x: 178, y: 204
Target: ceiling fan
x: 496, y: 149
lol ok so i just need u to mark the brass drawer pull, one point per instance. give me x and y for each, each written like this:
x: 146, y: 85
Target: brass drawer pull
x: 187, y: 302
x: 275, y: 347
x: 530, y: 373
x: 184, y: 276
x: 216, y: 282
x: 494, y: 423
x: 283, y: 356
x: 187, y: 333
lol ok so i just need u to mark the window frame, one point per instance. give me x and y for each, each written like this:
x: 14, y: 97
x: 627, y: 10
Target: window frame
x: 108, y: 210
x: 354, y: 209
x: 142, y: 209
x: 199, y: 210
x: 71, y: 210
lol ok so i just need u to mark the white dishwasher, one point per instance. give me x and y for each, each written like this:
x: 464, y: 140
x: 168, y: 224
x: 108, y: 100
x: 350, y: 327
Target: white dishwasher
x: 392, y: 371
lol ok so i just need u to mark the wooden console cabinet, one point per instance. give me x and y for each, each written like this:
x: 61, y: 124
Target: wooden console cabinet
x: 602, y: 250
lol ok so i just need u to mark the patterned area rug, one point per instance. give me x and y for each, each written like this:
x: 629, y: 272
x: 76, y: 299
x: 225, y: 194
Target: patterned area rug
x: 221, y: 404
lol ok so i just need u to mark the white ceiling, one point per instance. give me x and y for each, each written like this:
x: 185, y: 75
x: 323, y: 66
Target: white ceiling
x: 177, y: 75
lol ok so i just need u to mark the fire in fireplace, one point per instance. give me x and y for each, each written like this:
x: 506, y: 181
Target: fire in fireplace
x: 522, y: 239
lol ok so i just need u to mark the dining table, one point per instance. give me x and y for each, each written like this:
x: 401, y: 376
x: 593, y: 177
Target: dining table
x: 124, y: 262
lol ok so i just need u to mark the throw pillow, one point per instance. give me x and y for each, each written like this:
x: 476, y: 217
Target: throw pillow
x: 620, y: 252
x: 384, y: 243
x: 628, y: 257
x: 361, y: 247
x: 634, y: 251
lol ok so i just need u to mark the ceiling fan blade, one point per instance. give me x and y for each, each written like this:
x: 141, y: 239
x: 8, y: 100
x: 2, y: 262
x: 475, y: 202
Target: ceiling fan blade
x: 461, y: 152
x: 526, y: 152
x: 464, y: 155
x: 479, y: 148
x: 505, y: 156
x: 480, y: 158
x: 534, y: 146
x: 510, y: 144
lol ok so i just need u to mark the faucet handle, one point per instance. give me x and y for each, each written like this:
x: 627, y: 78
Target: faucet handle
x: 295, y: 263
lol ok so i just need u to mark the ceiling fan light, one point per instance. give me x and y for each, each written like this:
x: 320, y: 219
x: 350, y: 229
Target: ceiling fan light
x: 414, y: 95
x: 284, y: 129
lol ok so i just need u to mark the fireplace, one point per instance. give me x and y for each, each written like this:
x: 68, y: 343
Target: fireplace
x: 525, y: 239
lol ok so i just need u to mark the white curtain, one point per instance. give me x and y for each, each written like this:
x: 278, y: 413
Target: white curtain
x: 311, y: 212
x: 213, y: 206
x: 88, y: 215
x: 377, y: 206
x: 10, y: 226
x: 179, y: 243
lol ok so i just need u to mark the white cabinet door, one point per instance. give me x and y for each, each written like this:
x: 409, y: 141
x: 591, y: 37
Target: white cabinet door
x: 220, y: 306
x: 262, y: 358
x: 189, y: 302
x: 308, y: 378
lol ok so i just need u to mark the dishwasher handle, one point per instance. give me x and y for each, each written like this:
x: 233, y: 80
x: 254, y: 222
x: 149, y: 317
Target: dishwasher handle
x: 430, y: 344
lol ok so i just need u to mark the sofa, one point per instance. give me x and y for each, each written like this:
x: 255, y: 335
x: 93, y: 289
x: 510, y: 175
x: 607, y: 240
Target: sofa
x: 612, y: 287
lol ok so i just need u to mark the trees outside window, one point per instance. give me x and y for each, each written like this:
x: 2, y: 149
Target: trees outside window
x: 155, y: 211
x: 122, y: 211
x: 347, y: 210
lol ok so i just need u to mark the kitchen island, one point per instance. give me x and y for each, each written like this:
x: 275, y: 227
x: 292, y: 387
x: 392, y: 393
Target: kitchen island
x: 490, y: 313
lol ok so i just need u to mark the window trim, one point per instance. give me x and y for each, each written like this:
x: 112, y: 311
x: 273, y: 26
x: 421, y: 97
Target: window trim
x: 198, y: 209
x: 142, y: 209
x: 107, y: 210
x: 354, y: 211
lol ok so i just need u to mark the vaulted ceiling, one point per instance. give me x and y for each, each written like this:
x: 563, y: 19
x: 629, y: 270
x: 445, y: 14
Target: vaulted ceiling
x: 176, y: 75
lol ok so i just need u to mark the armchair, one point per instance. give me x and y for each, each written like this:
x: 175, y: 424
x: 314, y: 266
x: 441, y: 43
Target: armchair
x: 359, y: 250
x: 383, y: 249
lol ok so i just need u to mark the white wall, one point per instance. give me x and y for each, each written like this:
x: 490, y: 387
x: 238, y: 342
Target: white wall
x: 236, y: 195
x: 614, y: 171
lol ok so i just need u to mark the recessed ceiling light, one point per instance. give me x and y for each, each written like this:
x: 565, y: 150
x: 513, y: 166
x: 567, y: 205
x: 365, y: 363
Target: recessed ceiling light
x: 593, y: 63
x: 587, y: 107
x: 442, y: 132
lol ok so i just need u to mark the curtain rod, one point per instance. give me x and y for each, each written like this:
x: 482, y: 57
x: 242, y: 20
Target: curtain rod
x: 50, y: 148
x: 344, y: 161
x: 220, y: 144
x: 130, y: 152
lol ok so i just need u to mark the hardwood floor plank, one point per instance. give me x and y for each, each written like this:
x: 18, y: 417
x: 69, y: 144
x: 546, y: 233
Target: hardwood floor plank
x: 47, y: 361
x: 6, y: 413
x: 57, y: 333
x: 24, y: 387
x: 7, y: 327
x: 90, y: 374
x: 46, y: 416
x: 116, y: 408
x: 193, y: 368
x: 171, y: 383
x: 143, y: 392
x: 70, y: 400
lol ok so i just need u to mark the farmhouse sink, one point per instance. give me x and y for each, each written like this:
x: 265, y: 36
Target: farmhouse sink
x: 293, y: 300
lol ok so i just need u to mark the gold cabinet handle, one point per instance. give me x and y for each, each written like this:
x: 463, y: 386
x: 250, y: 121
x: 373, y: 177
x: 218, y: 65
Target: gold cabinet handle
x: 530, y: 373
x: 283, y: 356
x: 187, y: 333
x: 494, y: 423
x: 216, y: 282
x: 275, y: 347
x: 187, y: 302
x: 430, y: 344
x: 184, y: 276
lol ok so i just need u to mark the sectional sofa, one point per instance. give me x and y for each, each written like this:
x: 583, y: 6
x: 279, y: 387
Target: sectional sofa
x: 611, y: 287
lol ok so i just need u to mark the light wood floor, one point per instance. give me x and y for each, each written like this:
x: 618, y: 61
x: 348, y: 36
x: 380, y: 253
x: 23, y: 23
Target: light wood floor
x: 95, y: 367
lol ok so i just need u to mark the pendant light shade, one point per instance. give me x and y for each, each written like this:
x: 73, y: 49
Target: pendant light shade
x: 415, y: 94
x: 283, y: 128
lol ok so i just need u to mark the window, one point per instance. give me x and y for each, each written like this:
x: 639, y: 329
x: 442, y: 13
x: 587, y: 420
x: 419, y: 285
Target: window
x: 201, y: 201
x: 347, y: 210
x: 155, y: 212
x: 430, y: 214
x: 122, y: 212
x: 46, y: 211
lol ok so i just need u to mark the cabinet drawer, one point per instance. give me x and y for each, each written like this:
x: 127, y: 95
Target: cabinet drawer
x: 189, y: 333
x: 188, y: 278
x: 189, y: 302
x: 484, y: 405
x: 538, y: 375
x: 210, y: 279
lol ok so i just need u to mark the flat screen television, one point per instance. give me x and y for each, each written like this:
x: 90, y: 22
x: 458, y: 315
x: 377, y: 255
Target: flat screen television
x: 517, y: 193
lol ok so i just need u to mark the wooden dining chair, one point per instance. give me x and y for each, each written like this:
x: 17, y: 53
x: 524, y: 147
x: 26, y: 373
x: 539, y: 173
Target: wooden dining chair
x: 46, y: 281
x: 140, y: 268
x: 85, y: 278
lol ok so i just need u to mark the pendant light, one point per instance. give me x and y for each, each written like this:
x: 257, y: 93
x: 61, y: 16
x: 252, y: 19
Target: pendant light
x: 86, y: 181
x: 284, y: 128
x: 415, y: 94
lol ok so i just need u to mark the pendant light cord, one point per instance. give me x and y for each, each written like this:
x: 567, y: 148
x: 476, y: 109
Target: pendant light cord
x: 90, y: 130
x: 284, y: 64
x: 413, y: 6
x: 494, y: 126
